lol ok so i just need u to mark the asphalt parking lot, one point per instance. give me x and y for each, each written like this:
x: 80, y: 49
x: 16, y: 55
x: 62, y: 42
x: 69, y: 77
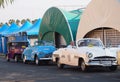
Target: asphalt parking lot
x: 19, y: 72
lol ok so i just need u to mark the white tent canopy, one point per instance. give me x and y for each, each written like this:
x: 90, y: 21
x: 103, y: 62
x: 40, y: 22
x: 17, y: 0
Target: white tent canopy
x: 99, y: 13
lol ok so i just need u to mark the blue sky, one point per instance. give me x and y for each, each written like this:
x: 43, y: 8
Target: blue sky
x: 34, y: 9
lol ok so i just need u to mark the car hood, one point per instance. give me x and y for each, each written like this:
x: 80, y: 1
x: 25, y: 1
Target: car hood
x: 96, y: 51
x: 46, y: 48
x: 113, y: 50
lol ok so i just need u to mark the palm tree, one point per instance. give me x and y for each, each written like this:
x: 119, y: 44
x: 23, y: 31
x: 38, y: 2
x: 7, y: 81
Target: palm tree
x: 7, y: 24
x: 18, y: 22
x: 23, y: 21
x: 1, y: 24
x: 11, y: 21
x: 33, y: 21
x: 28, y: 20
x: 3, y: 2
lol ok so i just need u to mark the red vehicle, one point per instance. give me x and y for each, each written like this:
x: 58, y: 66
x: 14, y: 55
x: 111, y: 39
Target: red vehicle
x: 15, y: 46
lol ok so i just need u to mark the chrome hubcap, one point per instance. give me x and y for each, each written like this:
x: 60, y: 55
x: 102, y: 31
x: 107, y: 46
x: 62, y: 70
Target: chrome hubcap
x: 83, y: 66
x: 7, y: 57
x: 36, y: 61
x: 58, y: 63
x: 15, y: 58
x: 24, y: 59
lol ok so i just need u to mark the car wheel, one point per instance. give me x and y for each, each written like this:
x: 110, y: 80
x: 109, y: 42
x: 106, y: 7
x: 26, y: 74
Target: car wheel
x: 37, y: 61
x: 83, y: 66
x: 7, y: 58
x: 112, y: 68
x: 24, y: 60
x: 16, y: 58
x: 59, y: 65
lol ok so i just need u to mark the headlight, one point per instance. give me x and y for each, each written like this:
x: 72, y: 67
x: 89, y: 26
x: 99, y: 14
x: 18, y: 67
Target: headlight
x: 90, y: 55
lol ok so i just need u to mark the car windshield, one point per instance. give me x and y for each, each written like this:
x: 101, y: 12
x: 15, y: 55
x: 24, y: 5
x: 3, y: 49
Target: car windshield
x: 44, y: 43
x: 90, y: 43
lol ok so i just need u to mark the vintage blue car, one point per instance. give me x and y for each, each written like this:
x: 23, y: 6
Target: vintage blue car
x: 40, y: 52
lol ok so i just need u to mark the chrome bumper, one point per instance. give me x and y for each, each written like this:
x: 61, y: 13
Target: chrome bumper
x: 101, y: 63
x: 45, y: 58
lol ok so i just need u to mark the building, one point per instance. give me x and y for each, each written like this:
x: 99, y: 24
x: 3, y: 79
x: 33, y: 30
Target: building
x: 101, y: 19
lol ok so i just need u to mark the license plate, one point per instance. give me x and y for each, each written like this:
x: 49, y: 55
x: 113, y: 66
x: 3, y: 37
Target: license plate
x: 106, y: 63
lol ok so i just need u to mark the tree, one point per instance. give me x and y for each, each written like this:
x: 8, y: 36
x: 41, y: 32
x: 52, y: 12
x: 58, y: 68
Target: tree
x: 3, y: 2
x: 18, y: 22
x: 23, y: 21
x: 11, y: 21
x: 33, y: 21
x: 28, y: 20
x: 1, y: 24
x: 7, y: 23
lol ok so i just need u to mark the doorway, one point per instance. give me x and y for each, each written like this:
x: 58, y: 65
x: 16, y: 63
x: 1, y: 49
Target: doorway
x: 59, y: 40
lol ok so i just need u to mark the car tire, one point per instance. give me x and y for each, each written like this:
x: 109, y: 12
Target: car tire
x: 24, y: 60
x: 7, y: 58
x: 83, y: 66
x: 16, y: 58
x: 59, y: 65
x: 112, y: 68
x: 37, y: 61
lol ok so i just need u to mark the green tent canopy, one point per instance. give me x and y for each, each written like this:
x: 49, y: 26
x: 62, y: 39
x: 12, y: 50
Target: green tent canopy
x: 59, y: 21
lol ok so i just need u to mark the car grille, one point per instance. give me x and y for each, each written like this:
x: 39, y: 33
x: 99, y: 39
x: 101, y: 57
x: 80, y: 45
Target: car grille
x: 105, y: 58
x: 48, y: 55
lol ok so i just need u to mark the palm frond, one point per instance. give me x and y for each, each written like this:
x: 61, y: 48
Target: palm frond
x: 3, y: 2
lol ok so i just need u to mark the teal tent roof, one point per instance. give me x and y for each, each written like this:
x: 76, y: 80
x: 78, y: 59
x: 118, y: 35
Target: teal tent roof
x: 63, y: 22
x: 24, y: 27
x: 14, y: 27
x: 3, y: 28
x: 34, y: 29
x: 73, y: 19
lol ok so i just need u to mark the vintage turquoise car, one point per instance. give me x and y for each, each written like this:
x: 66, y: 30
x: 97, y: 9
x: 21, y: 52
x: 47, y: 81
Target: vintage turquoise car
x: 41, y: 52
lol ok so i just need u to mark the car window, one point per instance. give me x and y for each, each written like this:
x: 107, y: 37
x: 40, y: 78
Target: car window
x: 44, y: 43
x: 90, y: 43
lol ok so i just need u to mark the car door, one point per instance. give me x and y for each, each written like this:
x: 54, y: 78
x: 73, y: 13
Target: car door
x: 33, y: 52
x: 64, y: 56
x: 28, y: 52
x: 71, y: 57
x: 67, y: 56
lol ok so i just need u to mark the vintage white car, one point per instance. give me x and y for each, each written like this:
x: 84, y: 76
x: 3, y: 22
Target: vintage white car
x: 87, y: 52
x: 116, y: 51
